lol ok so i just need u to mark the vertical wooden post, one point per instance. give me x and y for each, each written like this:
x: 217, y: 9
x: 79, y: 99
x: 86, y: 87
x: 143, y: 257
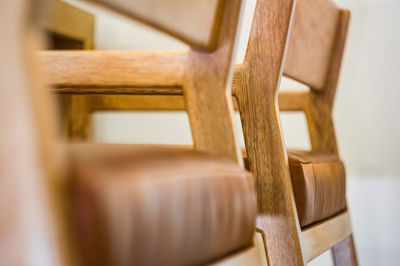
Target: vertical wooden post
x: 207, y: 91
x: 259, y: 111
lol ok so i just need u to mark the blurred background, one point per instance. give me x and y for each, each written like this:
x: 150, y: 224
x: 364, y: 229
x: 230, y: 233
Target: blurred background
x: 367, y: 115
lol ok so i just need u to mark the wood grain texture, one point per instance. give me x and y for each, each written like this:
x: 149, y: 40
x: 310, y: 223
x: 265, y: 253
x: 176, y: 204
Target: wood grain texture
x: 256, y: 92
x: 135, y: 102
x: 293, y: 100
x: 254, y: 255
x: 319, y: 110
x: 114, y: 90
x: 320, y: 237
x: 257, y: 98
x: 207, y: 91
x: 196, y: 22
x: 209, y: 106
x: 311, y: 42
x: 114, y: 68
x: 69, y: 21
x: 68, y: 28
x: 344, y: 253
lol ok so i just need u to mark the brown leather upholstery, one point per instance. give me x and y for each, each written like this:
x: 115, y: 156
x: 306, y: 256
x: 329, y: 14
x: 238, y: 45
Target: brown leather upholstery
x: 153, y: 205
x: 319, y: 185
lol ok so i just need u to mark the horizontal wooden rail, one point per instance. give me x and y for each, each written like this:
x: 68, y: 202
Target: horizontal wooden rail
x: 120, y: 102
x: 90, y: 69
x: 320, y: 237
x: 133, y: 73
x: 119, y: 90
x: 293, y: 100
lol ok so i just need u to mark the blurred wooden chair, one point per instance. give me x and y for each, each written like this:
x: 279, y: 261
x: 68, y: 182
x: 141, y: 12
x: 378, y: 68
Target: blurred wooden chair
x: 311, y: 182
x: 68, y: 27
x: 89, y: 204
x: 153, y: 72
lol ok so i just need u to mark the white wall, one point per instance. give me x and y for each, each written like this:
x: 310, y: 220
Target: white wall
x: 367, y: 115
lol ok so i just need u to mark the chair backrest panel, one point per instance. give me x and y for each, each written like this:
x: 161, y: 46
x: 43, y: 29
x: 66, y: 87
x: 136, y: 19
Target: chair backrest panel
x: 195, y: 22
x: 311, y: 42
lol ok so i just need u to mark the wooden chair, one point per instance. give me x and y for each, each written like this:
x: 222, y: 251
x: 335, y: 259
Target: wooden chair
x: 319, y: 220
x: 163, y: 72
x: 313, y: 182
x: 65, y: 204
x: 68, y: 27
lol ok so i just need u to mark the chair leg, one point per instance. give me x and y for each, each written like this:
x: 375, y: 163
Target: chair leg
x: 76, y: 117
x: 344, y: 252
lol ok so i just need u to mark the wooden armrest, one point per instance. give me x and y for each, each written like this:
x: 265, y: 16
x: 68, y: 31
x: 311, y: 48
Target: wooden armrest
x: 69, y: 69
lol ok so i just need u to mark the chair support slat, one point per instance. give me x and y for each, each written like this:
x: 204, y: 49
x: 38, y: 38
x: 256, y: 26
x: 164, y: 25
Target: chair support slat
x: 320, y: 237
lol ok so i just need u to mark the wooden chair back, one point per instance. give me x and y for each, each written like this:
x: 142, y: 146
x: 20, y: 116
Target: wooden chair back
x: 196, y: 22
x: 68, y: 27
x: 313, y: 38
x: 210, y: 28
x: 314, y: 57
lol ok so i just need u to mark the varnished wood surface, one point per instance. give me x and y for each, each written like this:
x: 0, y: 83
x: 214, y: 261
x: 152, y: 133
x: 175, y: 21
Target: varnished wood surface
x: 209, y: 107
x: 114, y: 68
x: 256, y: 95
x: 196, y: 22
x: 320, y: 237
x: 69, y: 21
x: 293, y: 100
x: 254, y: 255
x: 319, y: 110
x: 257, y: 91
x: 111, y: 90
x: 207, y: 91
x: 311, y: 42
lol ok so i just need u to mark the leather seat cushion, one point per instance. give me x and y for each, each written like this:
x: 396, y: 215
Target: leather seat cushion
x: 151, y: 205
x: 319, y: 185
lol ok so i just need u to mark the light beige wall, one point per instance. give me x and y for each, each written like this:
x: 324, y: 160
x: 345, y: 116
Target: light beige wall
x: 367, y: 111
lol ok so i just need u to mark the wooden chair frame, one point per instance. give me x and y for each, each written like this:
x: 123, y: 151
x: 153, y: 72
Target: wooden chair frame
x: 76, y: 25
x: 69, y: 21
x: 259, y: 103
x: 258, y: 98
x: 192, y: 72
